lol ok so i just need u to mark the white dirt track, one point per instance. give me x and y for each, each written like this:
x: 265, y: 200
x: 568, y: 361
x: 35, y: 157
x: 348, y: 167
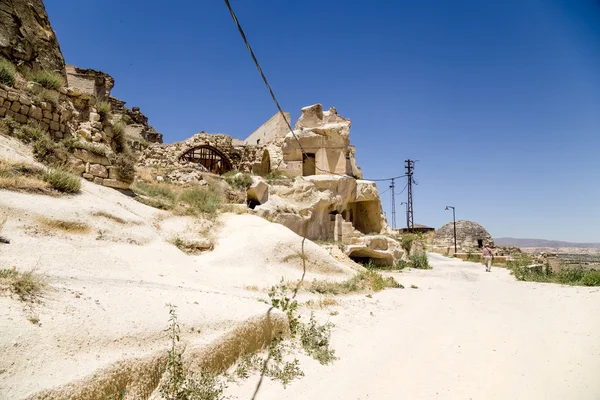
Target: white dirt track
x: 463, y: 334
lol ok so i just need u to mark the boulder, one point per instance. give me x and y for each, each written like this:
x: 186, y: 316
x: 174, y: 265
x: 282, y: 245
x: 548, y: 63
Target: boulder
x: 258, y: 192
x: 98, y: 170
x: 115, y: 184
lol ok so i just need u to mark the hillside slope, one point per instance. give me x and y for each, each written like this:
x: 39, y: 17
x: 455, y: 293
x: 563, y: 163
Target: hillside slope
x: 507, y: 241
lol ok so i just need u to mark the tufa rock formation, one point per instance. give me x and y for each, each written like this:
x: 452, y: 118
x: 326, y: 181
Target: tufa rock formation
x: 27, y: 38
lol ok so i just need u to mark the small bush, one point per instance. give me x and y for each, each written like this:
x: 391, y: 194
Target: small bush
x: 407, y: 241
x: 365, y: 280
x: 49, y: 96
x: 125, y: 164
x: 419, y: 261
x: 8, y: 72
x: 118, y: 130
x: 179, y: 383
x: 48, y: 151
x: 28, y: 133
x: 48, y: 79
x: 103, y: 108
x: 201, y: 201
x: 238, y: 180
x: 63, y: 180
x: 27, y: 285
x: 315, y: 340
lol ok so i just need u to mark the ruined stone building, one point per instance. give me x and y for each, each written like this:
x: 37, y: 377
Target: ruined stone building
x: 470, y: 237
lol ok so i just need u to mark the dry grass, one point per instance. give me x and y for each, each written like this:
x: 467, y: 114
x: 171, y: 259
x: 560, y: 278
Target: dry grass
x: 64, y: 226
x: 322, y: 302
x: 365, y: 281
x: 106, y: 215
x: 26, y: 285
x: 22, y: 177
x: 191, y: 246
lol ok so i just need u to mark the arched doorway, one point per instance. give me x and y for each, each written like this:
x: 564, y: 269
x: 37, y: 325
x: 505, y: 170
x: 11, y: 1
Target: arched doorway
x: 211, y: 158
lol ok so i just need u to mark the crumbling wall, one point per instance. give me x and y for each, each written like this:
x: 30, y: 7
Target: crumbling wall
x: 319, y: 145
x: 276, y: 127
x: 243, y: 157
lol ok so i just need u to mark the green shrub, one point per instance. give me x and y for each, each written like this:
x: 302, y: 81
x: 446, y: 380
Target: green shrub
x: 155, y: 195
x: 48, y: 79
x: 315, y: 340
x: 238, y: 180
x: 407, y: 241
x: 365, y: 280
x: 8, y: 72
x: 125, y: 164
x: 48, y: 96
x: 48, y: 151
x: 28, y: 133
x: 419, y: 261
x: 201, y: 201
x: 103, y: 108
x: 62, y: 180
x: 118, y: 130
x: 590, y: 278
x: 126, y: 119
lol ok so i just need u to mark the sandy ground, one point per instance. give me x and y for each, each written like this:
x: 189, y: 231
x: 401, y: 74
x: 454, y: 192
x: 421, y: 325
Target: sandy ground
x: 107, y: 288
x: 463, y: 334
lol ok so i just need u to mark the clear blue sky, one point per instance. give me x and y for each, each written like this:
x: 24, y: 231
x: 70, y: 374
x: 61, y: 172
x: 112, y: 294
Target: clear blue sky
x: 499, y: 100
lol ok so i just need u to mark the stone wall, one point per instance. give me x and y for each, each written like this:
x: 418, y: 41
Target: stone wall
x: 469, y: 236
x: 320, y: 145
x: 89, y: 81
x: 243, y: 157
x: 276, y: 127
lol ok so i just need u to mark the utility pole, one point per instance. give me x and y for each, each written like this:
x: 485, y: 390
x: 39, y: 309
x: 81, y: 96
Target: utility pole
x: 393, y: 187
x: 410, y: 222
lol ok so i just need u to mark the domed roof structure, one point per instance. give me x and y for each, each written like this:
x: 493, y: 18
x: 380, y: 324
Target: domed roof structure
x: 469, y: 236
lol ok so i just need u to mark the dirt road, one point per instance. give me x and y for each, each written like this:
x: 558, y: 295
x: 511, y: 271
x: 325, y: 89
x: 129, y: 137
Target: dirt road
x: 463, y: 334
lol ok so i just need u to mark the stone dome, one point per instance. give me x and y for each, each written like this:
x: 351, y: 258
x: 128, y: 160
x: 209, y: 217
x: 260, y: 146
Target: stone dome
x: 469, y: 236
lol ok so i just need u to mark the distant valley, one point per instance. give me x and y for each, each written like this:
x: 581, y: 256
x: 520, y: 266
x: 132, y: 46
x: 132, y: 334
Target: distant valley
x: 542, y: 243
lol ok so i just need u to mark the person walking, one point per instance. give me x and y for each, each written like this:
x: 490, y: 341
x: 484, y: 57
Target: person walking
x: 487, y: 257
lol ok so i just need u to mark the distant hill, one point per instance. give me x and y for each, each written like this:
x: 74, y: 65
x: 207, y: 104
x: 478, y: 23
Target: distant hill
x: 543, y: 243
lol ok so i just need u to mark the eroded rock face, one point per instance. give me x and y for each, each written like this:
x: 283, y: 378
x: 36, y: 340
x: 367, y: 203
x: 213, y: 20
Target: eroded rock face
x: 311, y: 205
x: 26, y: 36
x: 378, y: 249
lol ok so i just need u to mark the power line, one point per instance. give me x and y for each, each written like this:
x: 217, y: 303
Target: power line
x: 264, y: 78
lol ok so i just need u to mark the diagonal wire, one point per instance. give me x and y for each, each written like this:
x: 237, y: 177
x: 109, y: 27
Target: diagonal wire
x: 264, y: 78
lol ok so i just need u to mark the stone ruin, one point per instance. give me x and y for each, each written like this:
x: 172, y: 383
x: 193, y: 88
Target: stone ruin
x: 470, y: 237
x: 322, y: 196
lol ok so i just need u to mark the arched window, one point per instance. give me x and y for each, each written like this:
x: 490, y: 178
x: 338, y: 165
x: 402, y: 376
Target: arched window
x: 211, y: 158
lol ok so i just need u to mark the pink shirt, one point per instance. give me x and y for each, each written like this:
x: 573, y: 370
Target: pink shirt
x: 487, y: 252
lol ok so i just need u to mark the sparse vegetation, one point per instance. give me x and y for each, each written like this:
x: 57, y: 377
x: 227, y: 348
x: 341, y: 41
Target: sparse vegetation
x: 523, y: 268
x: 22, y: 177
x: 238, y: 180
x: 406, y: 241
x: 180, y: 384
x: 315, y: 340
x: 126, y: 119
x: 103, y: 108
x: 48, y: 79
x: 419, y: 261
x: 26, y: 285
x: 62, y: 180
x: 365, y: 280
x: 49, y: 96
x: 95, y: 148
x: 125, y: 165
x: 192, y: 246
x: 65, y: 226
x: 277, y: 175
x: 110, y: 216
x: 118, y: 130
x: 414, y: 287
x: 200, y: 201
x: 8, y: 72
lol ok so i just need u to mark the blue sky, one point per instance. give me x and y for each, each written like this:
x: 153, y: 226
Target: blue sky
x: 499, y: 101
